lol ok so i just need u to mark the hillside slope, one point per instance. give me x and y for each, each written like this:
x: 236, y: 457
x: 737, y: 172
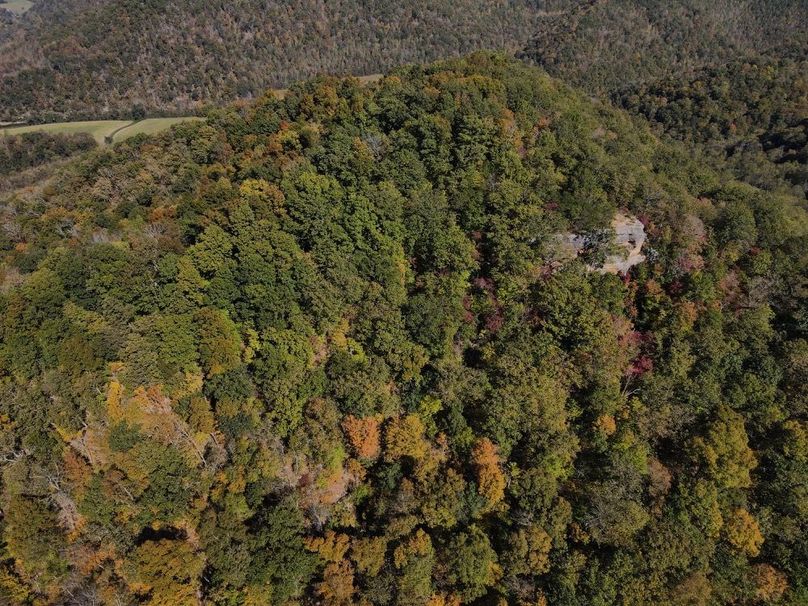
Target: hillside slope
x: 321, y: 350
x: 94, y: 56
x: 604, y: 45
x: 751, y: 116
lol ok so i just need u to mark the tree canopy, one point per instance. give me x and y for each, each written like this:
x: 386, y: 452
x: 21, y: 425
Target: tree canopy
x: 320, y: 349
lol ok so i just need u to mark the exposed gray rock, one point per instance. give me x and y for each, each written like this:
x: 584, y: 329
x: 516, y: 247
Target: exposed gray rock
x: 628, y: 237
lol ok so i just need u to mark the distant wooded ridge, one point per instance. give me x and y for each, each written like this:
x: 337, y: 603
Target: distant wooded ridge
x: 186, y: 54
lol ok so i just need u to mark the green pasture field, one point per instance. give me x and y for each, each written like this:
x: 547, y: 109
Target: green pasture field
x: 97, y: 128
x: 150, y: 126
x: 118, y: 130
x: 18, y: 7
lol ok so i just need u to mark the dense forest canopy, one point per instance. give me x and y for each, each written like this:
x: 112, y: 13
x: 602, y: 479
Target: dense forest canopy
x: 604, y: 45
x: 321, y: 350
x: 77, y: 59
x: 100, y: 57
x: 750, y: 115
x: 28, y: 150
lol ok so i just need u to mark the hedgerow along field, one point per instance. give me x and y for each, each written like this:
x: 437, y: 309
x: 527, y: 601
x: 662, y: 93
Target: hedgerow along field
x: 104, y: 131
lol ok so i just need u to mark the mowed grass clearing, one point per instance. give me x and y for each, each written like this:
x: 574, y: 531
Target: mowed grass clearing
x: 101, y: 129
x: 18, y: 7
x: 97, y: 128
x: 150, y: 126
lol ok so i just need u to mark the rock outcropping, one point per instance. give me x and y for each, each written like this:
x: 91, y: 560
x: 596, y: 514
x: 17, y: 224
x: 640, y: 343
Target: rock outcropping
x: 628, y: 237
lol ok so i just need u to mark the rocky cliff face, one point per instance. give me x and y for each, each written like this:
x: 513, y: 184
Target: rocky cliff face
x: 626, y: 239
x: 629, y: 235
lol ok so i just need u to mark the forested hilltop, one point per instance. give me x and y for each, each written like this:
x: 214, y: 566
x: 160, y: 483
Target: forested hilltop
x: 89, y: 59
x: 321, y: 350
